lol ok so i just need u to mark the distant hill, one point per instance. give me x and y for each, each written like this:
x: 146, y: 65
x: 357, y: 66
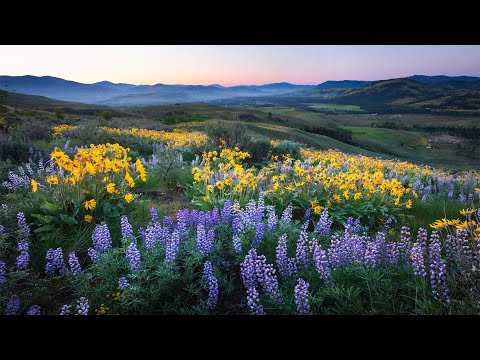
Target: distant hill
x: 441, y: 78
x: 405, y: 94
x: 108, y: 93
x: 343, y: 84
x: 22, y: 102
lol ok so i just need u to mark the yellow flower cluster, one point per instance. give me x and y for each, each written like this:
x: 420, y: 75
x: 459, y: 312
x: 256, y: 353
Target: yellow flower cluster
x: 60, y: 129
x: 97, y: 159
x: 344, y: 177
x: 96, y: 171
x: 176, y: 138
x: 103, y: 310
x: 469, y: 223
x: 227, y: 163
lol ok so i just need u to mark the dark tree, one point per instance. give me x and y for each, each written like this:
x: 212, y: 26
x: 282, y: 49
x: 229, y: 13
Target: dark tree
x: 59, y: 114
x: 106, y: 114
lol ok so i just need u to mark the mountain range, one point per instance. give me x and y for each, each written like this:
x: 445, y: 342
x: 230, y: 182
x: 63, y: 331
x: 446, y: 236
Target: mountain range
x: 416, y: 90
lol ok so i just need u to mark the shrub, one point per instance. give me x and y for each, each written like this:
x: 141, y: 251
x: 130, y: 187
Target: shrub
x: 228, y: 134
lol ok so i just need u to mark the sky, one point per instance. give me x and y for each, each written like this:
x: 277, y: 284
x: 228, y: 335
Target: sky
x: 230, y: 65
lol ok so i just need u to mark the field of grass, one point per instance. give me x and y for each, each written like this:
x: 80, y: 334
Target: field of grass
x: 179, y: 222
x: 336, y: 107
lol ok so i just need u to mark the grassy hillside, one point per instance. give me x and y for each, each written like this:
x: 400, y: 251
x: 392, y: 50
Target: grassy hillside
x: 21, y: 102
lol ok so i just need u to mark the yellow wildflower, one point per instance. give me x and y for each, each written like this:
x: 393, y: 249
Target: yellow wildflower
x: 141, y: 170
x: 88, y: 218
x: 90, y: 204
x: 52, y: 179
x: 467, y: 212
x: 129, y: 180
x: 34, y: 185
x: 128, y: 198
x: 409, y: 204
x: 111, y: 188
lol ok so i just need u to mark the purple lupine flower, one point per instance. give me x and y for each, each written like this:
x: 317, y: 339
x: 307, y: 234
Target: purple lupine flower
x: 210, y: 240
x: 253, y: 302
x: 465, y: 252
x: 422, y: 239
x: 2, y: 229
x: 272, y: 220
x: 387, y: 224
x: 261, y: 203
x: 3, y: 272
x: 168, y: 223
x: 324, y: 224
x: 301, y: 255
x: 451, y: 249
x: 227, y: 212
x: 393, y: 253
x: 282, y: 257
x: 462, y: 198
x: 237, y: 244
x: 13, y: 306
x: 74, y: 264
x: 150, y: 237
x: 34, y: 310
x: 405, y: 242
x: 269, y: 281
x: 159, y: 233
x: 307, y: 214
x: 127, y: 230
x: 301, y: 297
x: 93, y: 254
x: 417, y: 260
x: 321, y: 263
x: 154, y: 215
x: 450, y: 194
x: 82, y: 307
x: 202, y: 245
x: 23, y: 258
x: 101, y: 238
x: 248, y: 269
x: 255, y: 270
x: 23, y: 227
x: 372, y: 254
x: 65, y: 310
x: 259, y: 232
x: 287, y: 214
x: 438, y: 273
x: 172, y: 247
x: 133, y: 256
x: 142, y: 233
x: 336, y: 252
x: 182, y: 219
x: 123, y: 283
x: 55, y: 261
x: 215, y: 217
x: 237, y: 225
x: 352, y: 226
x: 212, y: 283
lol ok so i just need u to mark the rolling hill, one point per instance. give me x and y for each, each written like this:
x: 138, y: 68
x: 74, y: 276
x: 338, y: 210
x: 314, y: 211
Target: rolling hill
x: 120, y: 95
x: 406, y: 95
x: 23, y: 102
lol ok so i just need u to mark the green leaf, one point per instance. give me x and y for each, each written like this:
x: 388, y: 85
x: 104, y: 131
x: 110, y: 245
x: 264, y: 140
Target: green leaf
x: 45, y: 219
x: 49, y: 207
x: 68, y: 219
x: 44, y: 228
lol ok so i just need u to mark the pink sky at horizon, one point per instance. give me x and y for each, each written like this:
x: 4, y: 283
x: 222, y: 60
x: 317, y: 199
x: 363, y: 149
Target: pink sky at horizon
x: 230, y: 65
